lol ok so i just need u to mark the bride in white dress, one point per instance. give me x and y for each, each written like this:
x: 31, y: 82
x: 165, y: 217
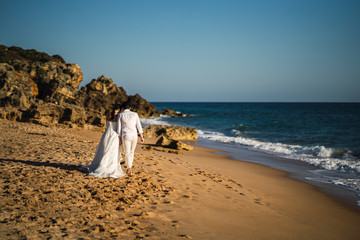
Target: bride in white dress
x: 106, y: 162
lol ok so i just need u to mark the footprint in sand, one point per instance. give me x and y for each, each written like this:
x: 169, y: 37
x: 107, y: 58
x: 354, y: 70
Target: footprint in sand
x: 184, y: 236
x: 187, y: 196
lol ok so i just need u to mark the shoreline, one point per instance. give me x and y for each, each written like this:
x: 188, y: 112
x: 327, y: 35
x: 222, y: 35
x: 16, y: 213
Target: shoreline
x: 276, y: 129
x: 305, y: 201
x: 297, y: 170
x: 199, y: 194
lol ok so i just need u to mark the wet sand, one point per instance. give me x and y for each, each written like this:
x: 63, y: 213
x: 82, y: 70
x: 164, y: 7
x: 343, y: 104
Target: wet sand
x: 198, y: 194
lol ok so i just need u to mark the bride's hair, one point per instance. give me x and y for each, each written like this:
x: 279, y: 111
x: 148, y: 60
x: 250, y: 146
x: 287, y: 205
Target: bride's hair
x: 116, y: 107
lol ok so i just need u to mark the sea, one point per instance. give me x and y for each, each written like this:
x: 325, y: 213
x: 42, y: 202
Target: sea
x: 318, y: 142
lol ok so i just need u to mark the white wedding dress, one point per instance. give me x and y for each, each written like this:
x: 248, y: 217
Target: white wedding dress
x: 106, y: 162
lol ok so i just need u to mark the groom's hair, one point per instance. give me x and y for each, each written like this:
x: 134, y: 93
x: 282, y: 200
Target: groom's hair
x: 128, y: 106
x: 117, y: 106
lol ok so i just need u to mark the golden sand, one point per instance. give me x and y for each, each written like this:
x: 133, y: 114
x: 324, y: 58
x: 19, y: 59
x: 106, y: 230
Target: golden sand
x: 198, y: 195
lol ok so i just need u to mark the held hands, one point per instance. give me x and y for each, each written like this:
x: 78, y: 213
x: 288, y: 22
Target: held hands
x: 141, y: 137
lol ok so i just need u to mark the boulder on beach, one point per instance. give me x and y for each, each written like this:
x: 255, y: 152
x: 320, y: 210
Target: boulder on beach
x: 170, y: 132
x: 173, y: 144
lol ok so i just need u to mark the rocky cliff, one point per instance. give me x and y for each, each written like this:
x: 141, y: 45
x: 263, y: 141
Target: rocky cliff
x: 102, y: 94
x: 44, y: 89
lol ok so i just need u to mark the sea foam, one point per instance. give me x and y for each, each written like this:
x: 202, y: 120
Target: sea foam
x: 155, y: 120
x: 320, y: 156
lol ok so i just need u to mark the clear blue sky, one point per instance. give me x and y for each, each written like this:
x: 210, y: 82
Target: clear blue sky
x: 200, y: 50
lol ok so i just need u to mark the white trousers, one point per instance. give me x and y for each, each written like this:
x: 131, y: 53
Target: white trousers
x: 129, y: 142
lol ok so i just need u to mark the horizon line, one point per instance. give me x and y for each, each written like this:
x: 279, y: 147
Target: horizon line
x: 253, y: 101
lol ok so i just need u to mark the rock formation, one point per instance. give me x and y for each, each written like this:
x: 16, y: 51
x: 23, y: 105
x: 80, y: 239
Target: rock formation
x: 43, y: 89
x: 173, y: 144
x: 170, y: 132
x: 36, y: 75
x: 102, y: 94
x: 173, y: 113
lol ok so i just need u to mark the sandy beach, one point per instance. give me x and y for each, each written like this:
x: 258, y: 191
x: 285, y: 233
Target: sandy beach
x: 198, y: 194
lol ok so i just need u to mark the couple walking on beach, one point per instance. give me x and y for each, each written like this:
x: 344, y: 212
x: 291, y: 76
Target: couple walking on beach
x: 121, y: 129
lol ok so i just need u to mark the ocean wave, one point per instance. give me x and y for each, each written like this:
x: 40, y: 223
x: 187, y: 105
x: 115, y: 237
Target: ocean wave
x: 345, y: 182
x: 327, y: 158
x: 155, y: 120
x: 332, y: 159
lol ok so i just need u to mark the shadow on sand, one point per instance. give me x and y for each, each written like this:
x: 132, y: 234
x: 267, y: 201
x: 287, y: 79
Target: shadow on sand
x: 45, y: 164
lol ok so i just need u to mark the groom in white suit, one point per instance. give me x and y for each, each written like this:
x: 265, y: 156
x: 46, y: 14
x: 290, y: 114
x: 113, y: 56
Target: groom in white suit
x: 128, y: 128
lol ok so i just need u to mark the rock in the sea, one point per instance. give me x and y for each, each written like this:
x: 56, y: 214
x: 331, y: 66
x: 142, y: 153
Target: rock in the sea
x: 170, y: 132
x: 173, y: 113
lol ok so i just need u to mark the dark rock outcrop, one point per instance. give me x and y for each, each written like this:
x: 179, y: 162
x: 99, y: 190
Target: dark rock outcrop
x: 101, y: 94
x: 142, y: 107
x: 43, y: 89
x: 173, y: 113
